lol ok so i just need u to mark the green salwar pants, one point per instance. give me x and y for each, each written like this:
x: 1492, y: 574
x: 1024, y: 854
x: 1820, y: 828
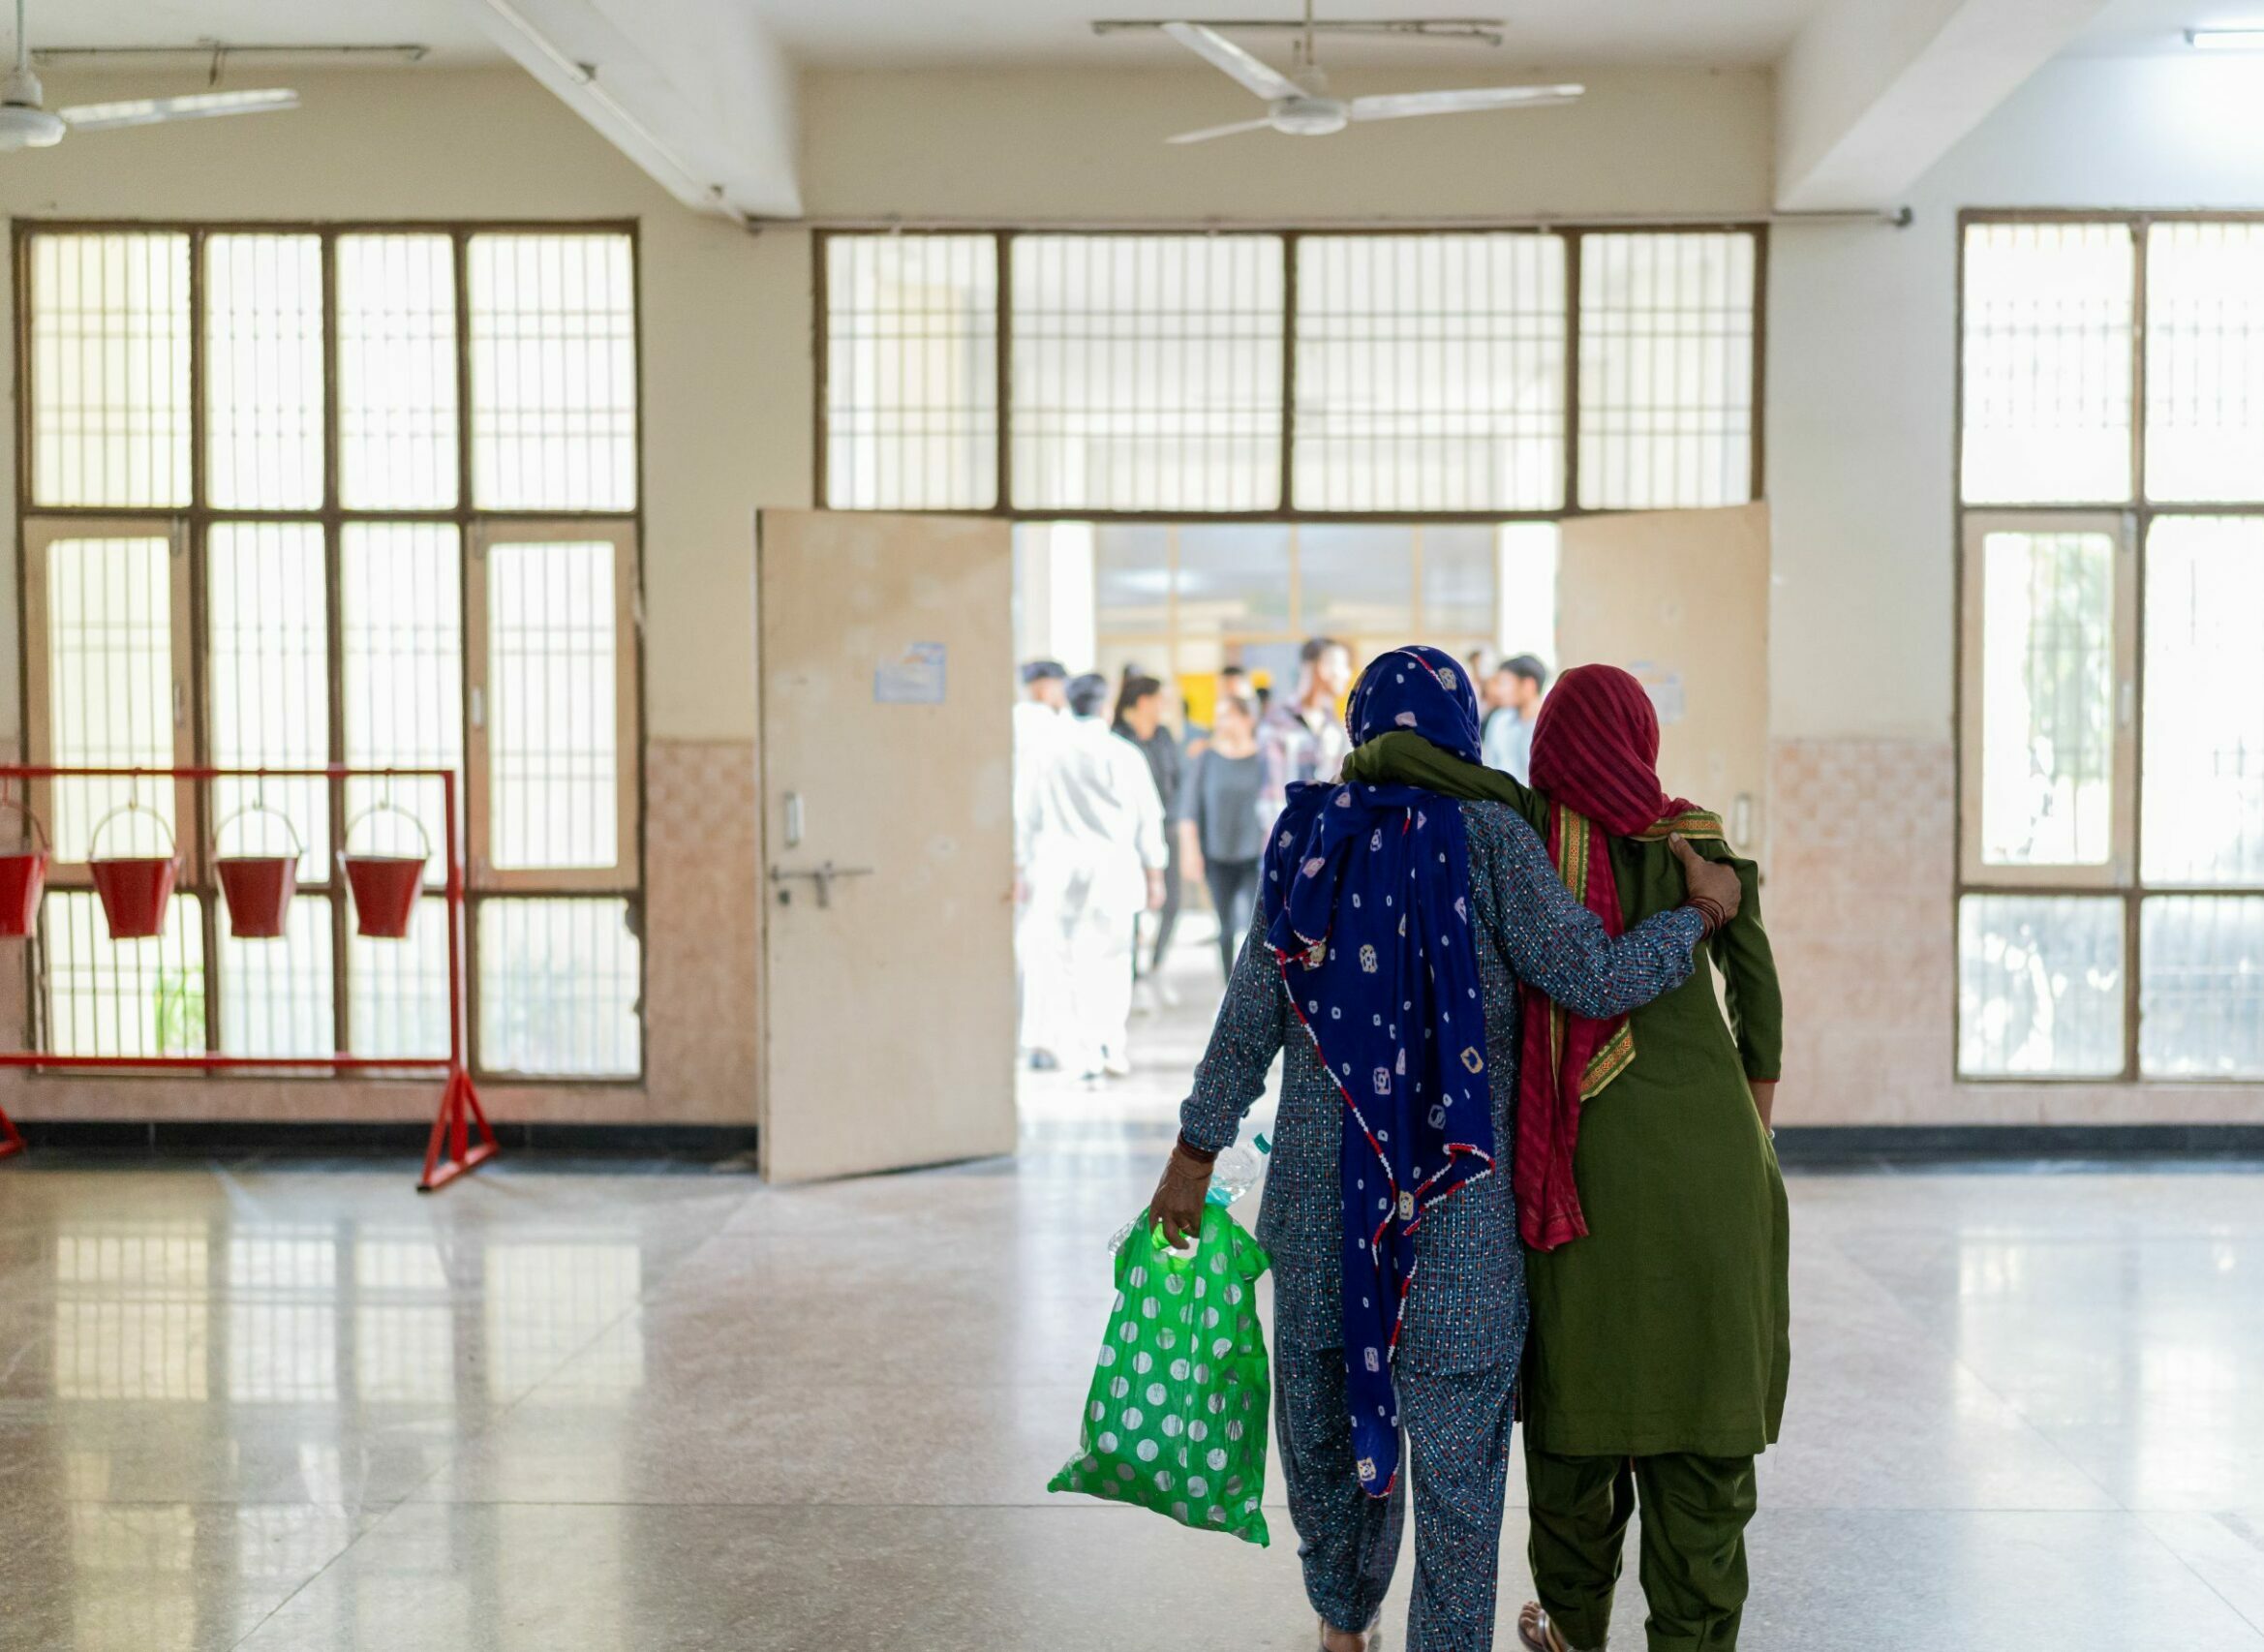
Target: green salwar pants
x: 1693, y: 1568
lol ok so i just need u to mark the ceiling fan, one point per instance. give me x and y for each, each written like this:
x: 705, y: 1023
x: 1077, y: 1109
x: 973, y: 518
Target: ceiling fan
x: 25, y: 125
x: 1303, y: 107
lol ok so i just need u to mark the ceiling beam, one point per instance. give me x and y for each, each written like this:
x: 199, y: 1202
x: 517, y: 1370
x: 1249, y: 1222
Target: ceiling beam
x: 1873, y: 92
x: 695, y: 92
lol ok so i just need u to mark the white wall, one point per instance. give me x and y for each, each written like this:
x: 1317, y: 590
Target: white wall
x: 1019, y: 144
x: 1862, y: 362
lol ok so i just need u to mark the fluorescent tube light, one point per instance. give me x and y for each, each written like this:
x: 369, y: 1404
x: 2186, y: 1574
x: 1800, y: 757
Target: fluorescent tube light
x: 2243, y: 39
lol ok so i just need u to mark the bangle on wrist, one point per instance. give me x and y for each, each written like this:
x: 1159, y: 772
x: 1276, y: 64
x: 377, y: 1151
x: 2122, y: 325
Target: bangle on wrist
x: 1200, y: 1156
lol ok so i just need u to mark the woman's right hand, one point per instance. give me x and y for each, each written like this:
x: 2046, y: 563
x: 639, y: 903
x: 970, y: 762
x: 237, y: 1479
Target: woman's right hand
x: 1180, y: 1194
x: 1709, y: 882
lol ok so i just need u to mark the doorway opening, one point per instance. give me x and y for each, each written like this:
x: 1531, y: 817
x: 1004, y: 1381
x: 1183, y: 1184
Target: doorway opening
x: 1183, y: 602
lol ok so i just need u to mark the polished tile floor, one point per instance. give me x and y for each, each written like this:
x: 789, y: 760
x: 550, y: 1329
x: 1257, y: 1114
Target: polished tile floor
x: 299, y: 1409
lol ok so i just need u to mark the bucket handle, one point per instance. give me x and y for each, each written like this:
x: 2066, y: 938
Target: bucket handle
x: 298, y: 845
x: 39, y: 827
x: 387, y: 806
x: 131, y: 805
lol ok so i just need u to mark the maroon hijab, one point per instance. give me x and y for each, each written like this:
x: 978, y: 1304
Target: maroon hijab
x: 1596, y: 747
x: 1595, y: 755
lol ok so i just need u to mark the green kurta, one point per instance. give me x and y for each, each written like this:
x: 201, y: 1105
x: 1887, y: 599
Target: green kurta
x: 1667, y: 1327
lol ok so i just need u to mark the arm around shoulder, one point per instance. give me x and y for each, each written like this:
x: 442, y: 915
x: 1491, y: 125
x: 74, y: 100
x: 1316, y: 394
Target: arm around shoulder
x: 1748, y: 975
x: 1554, y: 943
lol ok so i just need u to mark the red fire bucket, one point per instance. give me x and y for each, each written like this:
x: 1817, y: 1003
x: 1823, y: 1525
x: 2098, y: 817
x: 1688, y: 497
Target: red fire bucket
x: 258, y: 888
x: 23, y: 878
x: 386, y: 887
x: 135, y: 889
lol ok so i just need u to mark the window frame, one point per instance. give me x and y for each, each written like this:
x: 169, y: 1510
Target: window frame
x: 189, y: 526
x: 483, y: 876
x: 2124, y: 877
x: 2049, y: 878
x: 35, y: 538
x: 1286, y: 508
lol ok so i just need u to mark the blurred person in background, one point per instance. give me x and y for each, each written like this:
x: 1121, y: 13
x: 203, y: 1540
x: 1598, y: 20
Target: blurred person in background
x: 1232, y: 682
x: 1090, y: 824
x: 1515, y: 692
x: 1302, y: 738
x: 1140, y: 718
x: 1039, y: 718
x: 1222, y: 824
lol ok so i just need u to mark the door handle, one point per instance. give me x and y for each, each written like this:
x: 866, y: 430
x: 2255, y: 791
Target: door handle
x: 821, y: 876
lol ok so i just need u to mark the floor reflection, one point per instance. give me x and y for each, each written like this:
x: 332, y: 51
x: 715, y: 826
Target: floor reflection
x: 303, y: 1410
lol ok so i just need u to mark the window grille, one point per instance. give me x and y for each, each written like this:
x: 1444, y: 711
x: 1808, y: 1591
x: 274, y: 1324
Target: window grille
x: 2112, y: 668
x: 199, y: 586
x: 1301, y: 374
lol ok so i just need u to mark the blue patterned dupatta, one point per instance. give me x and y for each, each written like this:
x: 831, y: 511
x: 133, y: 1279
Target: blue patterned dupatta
x: 1367, y: 892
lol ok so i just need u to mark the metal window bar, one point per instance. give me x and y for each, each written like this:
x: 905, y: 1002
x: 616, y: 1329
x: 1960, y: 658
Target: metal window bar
x: 397, y: 347
x: 2180, y: 271
x: 554, y: 711
x: 107, y: 369
x: 553, y: 356
x: 1667, y: 415
x: 559, y: 990
x: 1146, y: 372
x: 411, y: 320
x: 262, y: 372
x: 2048, y: 363
x: 1045, y: 409
x: 909, y: 415
x: 1430, y: 372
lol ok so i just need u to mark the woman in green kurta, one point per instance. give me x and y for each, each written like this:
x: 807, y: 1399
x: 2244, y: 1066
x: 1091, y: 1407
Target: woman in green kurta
x: 1658, y: 1352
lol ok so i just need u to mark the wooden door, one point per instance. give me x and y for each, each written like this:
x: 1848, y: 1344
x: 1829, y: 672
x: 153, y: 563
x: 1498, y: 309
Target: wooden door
x: 887, y: 841
x: 1681, y: 598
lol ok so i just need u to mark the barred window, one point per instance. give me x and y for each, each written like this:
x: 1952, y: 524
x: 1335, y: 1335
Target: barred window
x: 302, y: 571
x: 2112, y: 746
x: 1301, y: 374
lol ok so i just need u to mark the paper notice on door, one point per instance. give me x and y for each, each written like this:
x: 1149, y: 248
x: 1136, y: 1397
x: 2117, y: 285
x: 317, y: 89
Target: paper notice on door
x: 912, y: 678
x: 1664, y: 687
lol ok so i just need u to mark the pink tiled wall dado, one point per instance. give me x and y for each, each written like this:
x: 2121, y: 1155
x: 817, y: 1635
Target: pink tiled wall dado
x: 1861, y: 870
x: 1862, y: 873
x: 702, y: 937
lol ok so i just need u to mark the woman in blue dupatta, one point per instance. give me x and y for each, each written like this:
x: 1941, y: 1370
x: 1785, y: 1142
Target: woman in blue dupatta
x: 1383, y: 963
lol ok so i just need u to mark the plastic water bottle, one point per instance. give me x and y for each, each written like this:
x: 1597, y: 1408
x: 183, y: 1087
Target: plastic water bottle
x: 1235, y: 1173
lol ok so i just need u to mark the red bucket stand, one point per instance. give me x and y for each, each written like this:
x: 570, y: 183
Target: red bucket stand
x: 461, y: 1138
x: 452, y: 1132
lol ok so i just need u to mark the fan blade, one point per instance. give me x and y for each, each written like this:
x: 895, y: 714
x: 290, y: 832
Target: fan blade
x: 1397, y: 105
x: 1209, y: 132
x: 202, y: 106
x: 1215, y: 49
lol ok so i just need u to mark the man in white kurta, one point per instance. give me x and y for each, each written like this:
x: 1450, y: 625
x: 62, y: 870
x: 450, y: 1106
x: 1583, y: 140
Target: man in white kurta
x: 1040, y: 716
x: 1089, y: 834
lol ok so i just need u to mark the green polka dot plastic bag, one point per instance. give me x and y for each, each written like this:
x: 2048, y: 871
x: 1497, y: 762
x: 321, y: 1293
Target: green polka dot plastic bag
x: 1175, y: 1420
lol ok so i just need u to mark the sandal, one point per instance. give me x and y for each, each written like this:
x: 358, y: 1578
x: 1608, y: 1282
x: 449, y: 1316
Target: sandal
x: 1538, y: 1634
